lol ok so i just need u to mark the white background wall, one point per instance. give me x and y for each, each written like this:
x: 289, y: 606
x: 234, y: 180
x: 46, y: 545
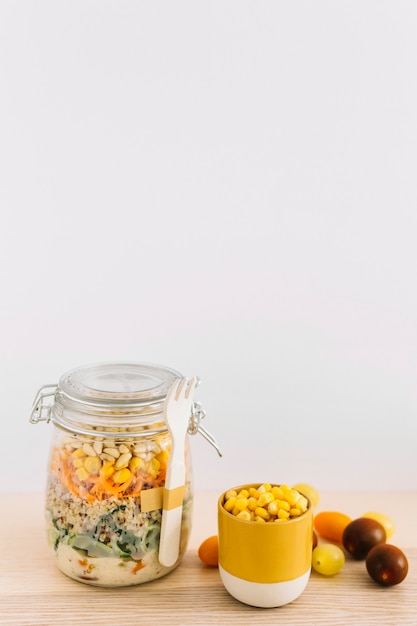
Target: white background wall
x: 229, y: 189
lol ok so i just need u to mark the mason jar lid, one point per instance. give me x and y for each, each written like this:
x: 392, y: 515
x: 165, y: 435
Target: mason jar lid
x: 108, y: 398
x: 120, y: 398
x: 117, y: 385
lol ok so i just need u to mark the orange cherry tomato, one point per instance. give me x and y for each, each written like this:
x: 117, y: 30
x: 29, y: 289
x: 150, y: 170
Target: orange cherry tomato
x: 208, y: 551
x: 331, y: 524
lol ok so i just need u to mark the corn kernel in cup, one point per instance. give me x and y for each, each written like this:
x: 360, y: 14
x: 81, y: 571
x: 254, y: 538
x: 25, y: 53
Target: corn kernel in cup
x: 265, y: 543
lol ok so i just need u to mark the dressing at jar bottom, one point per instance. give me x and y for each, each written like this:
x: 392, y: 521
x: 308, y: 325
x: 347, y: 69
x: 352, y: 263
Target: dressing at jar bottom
x: 109, y: 572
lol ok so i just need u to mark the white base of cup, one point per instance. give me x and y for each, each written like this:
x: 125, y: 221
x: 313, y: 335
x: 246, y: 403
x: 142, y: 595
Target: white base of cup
x: 265, y: 595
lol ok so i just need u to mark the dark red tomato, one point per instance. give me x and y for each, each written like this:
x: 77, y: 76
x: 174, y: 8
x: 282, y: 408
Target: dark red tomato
x: 361, y: 535
x: 315, y: 540
x: 387, y: 565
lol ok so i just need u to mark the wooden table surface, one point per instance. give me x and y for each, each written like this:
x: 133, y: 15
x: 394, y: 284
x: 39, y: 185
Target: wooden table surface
x: 33, y: 592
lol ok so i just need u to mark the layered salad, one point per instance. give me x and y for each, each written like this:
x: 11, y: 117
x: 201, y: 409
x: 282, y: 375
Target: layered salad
x: 102, y: 528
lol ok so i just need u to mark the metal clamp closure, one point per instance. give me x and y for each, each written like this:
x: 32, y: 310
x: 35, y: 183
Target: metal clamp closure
x: 194, y: 426
x: 41, y: 409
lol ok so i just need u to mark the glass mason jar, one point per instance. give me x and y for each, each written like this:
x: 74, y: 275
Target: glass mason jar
x: 109, y: 456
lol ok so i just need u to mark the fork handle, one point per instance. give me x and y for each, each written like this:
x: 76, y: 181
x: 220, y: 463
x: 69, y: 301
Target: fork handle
x: 170, y: 536
x: 169, y: 543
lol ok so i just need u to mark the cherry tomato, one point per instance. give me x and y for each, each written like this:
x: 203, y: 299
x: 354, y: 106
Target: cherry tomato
x: 327, y: 559
x: 331, y: 524
x: 387, y: 523
x: 309, y: 491
x: 208, y: 551
x: 361, y: 535
x: 387, y: 565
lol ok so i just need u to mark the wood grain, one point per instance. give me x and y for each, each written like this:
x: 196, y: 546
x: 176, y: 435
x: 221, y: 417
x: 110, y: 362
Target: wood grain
x: 33, y: 592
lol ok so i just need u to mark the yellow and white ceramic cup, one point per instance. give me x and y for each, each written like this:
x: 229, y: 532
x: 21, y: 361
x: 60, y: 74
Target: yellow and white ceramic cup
x: 264, y: 565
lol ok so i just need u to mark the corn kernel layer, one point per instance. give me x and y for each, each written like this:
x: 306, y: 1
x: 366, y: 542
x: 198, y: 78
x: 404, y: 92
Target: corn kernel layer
x: 266, y: 503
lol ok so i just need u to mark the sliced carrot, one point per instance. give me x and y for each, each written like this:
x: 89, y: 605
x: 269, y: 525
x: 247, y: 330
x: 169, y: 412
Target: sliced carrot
x: 100, y: 487
x: 139, y: 565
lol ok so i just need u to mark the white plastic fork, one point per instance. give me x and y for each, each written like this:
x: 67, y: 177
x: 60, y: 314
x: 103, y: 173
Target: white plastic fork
x: 177, y: 412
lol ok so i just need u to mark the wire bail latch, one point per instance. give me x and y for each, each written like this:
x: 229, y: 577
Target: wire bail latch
x: 41, y: 409
x: 194, y: 426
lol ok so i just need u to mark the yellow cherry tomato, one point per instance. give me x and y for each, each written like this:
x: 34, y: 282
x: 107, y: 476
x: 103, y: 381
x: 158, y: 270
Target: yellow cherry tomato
x: 327, y: 559
x: 386, y: 522
x: 309, y: 491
